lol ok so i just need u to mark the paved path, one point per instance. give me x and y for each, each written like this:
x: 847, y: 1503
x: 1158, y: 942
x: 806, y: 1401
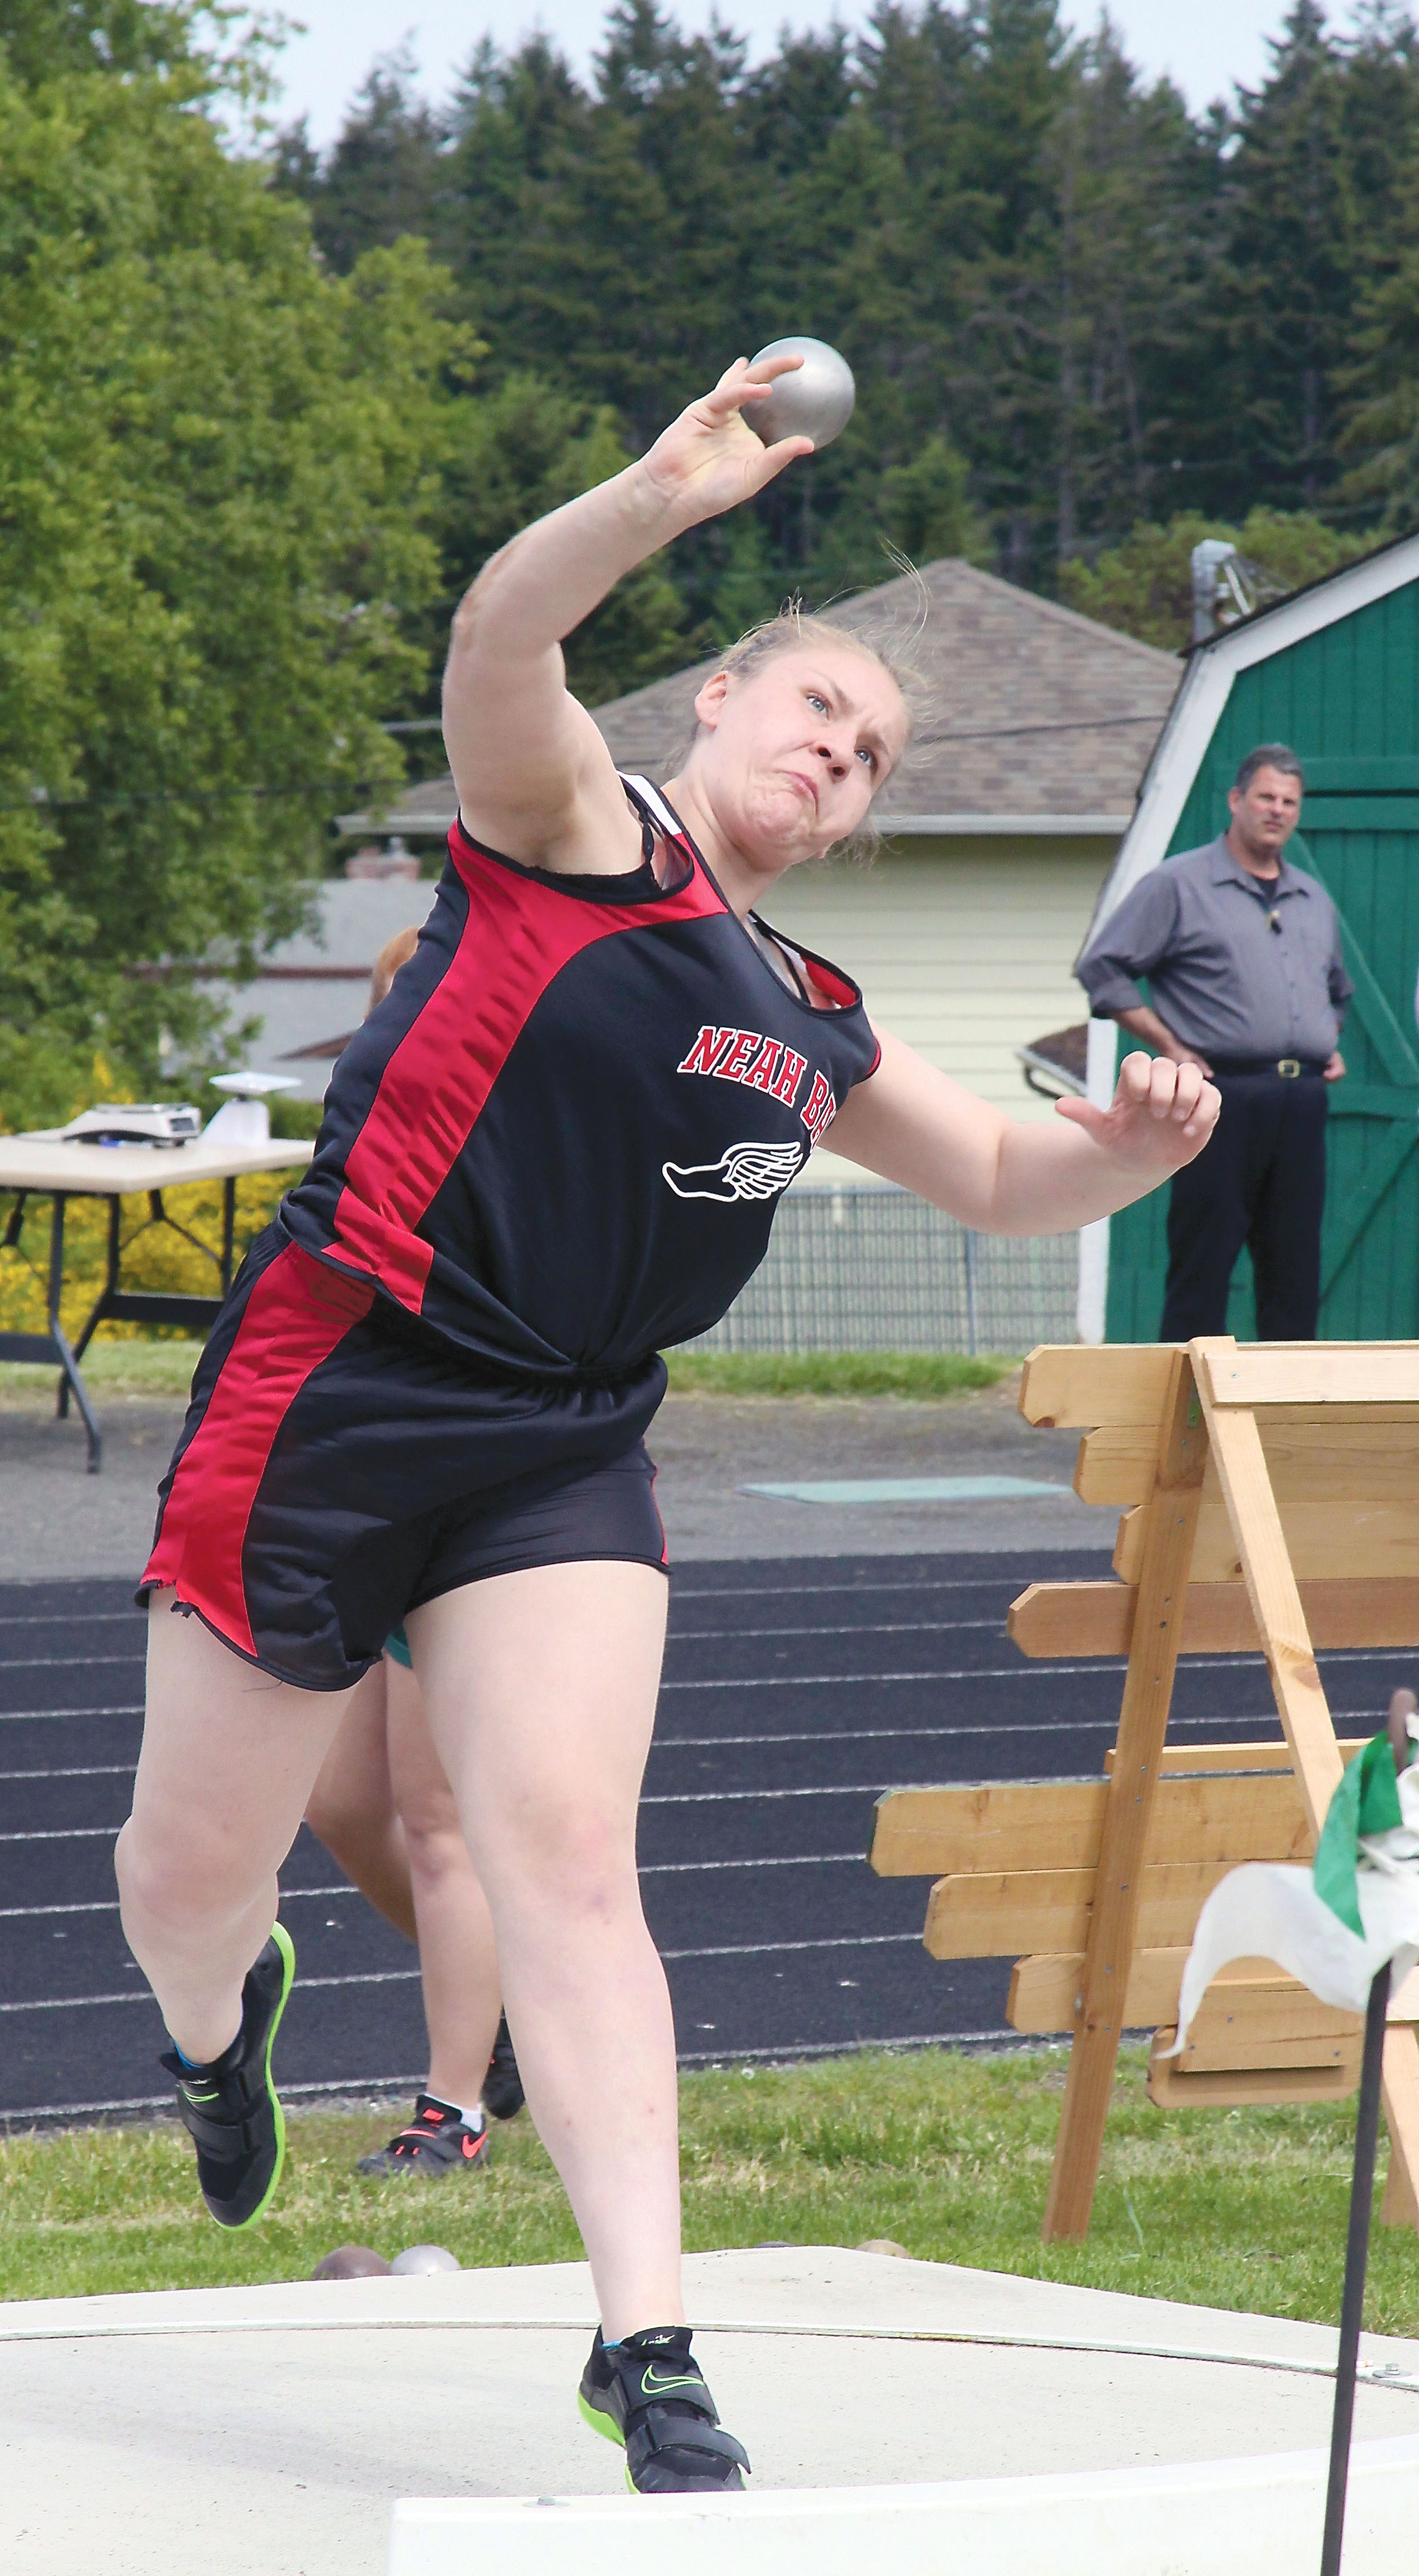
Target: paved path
x: 57, y: 1520
x: 795, y: 1691
x: 278, y: 2425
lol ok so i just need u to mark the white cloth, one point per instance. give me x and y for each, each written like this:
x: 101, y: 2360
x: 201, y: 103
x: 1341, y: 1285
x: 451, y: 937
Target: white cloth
x: 1263, y: 1911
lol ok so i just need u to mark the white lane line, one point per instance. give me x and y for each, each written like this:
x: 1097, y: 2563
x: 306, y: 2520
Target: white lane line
x: 89, y: 1771
x: 850, y: 1628
x: 407, y: 1976
x: 23, y: 1716
x: 61, y: 1663
x: 109, y: 1904
x: 65, y: 1834
x: 1005, y: 1672
x: 64, y: 1618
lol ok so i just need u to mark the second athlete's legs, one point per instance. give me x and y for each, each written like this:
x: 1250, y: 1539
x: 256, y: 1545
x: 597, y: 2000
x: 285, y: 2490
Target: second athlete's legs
x: 457, y: 1954
x: 541, y: 1690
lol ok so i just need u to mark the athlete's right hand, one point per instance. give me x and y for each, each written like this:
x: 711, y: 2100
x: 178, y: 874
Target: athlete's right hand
x: 709, y: 459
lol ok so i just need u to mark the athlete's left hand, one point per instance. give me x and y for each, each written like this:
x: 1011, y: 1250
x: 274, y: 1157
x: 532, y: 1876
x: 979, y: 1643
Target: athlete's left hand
x: 709, y: 459
x: 1161, y: 1115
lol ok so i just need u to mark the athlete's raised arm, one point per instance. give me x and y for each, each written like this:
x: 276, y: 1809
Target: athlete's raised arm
x: 914, y: 1125
x: 534, y: 777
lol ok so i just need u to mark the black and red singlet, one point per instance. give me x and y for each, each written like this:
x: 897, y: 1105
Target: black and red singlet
x: 561, y: 1140
x: 558, y: 1144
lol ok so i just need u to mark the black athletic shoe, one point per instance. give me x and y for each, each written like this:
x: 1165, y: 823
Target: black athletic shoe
x: 650, y: 2395
x: 437, y: 2142
x: 230, y: 2107
x: 503, y: 2095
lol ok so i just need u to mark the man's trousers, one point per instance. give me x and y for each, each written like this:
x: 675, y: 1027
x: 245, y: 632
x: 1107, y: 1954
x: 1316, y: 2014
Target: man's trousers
x: 1259, y: 1181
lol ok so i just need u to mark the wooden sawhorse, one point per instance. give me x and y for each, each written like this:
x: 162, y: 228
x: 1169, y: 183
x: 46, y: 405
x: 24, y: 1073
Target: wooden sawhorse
x: 1271, y: 1502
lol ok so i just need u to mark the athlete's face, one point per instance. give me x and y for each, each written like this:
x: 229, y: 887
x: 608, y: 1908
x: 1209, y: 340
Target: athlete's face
x: 789, y: 757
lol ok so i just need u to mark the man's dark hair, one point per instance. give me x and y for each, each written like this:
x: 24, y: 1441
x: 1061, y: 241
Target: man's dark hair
x: 1269, y: 755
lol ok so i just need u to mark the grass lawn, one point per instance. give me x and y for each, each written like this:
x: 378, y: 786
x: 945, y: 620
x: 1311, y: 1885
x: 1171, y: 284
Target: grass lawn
x: 948, y: 2154
x: 130, y: 1367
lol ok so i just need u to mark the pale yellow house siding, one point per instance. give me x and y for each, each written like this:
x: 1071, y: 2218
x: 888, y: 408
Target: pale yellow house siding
x: 963, y: 947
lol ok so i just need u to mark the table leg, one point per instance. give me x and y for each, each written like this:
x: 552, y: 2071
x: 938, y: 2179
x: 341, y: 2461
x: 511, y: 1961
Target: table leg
x: 71, y: 1378
x: 99, y: 1308
x: 228, y: 1229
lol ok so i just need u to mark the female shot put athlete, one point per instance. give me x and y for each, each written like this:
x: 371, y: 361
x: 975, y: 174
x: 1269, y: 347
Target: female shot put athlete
x: 555, y: 1147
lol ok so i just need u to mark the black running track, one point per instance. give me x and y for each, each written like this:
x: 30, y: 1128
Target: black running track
x: 795, y: 1692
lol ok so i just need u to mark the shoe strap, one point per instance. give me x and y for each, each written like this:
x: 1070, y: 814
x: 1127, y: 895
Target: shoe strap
x: 659, y: 2430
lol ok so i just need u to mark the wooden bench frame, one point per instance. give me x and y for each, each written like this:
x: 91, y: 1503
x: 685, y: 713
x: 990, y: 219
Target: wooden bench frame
x: 1212, y: 1395
x: 1209, y: 1555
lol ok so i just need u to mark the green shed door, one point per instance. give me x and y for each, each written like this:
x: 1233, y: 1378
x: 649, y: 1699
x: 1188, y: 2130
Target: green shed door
x: 1360, y: 837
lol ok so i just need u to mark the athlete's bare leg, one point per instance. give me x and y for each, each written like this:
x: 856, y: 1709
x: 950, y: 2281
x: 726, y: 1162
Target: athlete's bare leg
x: 353, y: 1810
x: 457, y: 1954
x: 541, y: 1690
x: 229, y: 1759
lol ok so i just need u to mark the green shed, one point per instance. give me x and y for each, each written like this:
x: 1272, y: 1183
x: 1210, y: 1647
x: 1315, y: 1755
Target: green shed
x: 1334, y: 672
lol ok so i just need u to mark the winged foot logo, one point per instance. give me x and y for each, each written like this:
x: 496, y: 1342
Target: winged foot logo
x: 748, y: 1171
x: 755, y: 1169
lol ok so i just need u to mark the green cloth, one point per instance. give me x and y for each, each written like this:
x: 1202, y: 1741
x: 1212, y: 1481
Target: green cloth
x: 398, y: 1647
x: 1366, y: 1802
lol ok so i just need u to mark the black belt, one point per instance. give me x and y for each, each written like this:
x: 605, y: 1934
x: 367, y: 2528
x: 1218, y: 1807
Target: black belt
x: 1290, y: 1068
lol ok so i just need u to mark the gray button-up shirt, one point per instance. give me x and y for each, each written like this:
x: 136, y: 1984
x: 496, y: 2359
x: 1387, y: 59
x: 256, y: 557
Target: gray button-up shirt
x: 1223, y: 980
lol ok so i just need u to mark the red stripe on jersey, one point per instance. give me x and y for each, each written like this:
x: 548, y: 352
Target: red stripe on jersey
x: 296, y: 1314
x: 402, y: 1260
x: 518, y: 936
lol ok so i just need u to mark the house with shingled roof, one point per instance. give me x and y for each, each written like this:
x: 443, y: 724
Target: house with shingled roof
x: 998, y: 831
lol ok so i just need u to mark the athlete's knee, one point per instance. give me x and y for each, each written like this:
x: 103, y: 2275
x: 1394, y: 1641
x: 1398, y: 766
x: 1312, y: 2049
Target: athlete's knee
x: 438, y: 1853
x: 169, y: 1880
x: 581, y: 1859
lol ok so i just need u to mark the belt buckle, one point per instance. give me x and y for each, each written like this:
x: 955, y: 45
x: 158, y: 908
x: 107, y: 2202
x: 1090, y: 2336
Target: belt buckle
x: 1289, y: 1068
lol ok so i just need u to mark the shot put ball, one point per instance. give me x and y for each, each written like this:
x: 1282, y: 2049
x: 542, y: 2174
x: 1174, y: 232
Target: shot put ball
x: 351, y: 2263
x: 426, y: 2258
x: 815, y: 401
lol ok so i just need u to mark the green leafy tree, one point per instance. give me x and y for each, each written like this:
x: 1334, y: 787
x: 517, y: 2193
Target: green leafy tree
x: 219, y: 476
x: 1144, y: 585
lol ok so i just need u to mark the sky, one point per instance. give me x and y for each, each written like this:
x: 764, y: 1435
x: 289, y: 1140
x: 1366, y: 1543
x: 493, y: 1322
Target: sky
x: 1206, y: 46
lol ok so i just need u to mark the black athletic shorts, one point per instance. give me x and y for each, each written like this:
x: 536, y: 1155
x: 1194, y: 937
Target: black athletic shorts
x: 339, y: 1466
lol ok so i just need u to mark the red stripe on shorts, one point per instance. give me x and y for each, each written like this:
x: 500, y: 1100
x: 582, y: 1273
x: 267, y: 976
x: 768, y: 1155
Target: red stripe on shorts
x: 295, y: 1316
x: 518, y: 936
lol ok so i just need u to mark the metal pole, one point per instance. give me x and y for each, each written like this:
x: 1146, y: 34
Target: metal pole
x: 972, y: 1302
x: 1357, y: 2248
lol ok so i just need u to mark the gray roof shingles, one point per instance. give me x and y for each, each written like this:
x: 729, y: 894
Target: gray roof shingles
x: 1031, y: 709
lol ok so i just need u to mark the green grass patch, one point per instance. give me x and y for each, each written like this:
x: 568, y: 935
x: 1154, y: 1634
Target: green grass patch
x: 948, y: 2154
x: 128, y: 1368
x: 136, y: 1367
x: 903, y: 1373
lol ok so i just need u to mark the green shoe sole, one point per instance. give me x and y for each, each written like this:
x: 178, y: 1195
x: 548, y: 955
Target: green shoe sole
x: 284, y: 1944
x: 605, y: 2425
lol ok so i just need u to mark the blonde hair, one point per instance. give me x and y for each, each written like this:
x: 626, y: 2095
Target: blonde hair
x: 883, y: 636
x: 395, y: 953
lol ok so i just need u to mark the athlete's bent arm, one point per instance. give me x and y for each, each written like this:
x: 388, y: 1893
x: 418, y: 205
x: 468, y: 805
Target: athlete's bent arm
x: 915, y: 1126
x: 534, y: 778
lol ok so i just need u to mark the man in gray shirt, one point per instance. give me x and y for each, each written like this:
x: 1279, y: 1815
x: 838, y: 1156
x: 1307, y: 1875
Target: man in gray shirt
x: 1242, y: 953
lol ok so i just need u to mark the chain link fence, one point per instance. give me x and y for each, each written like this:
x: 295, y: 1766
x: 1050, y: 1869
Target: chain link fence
x: 876, y: 1269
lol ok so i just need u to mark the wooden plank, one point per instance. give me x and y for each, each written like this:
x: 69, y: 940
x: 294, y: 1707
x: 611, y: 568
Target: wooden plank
x: 1058, y: 1619
x: 1332, y: 1538
x: 1010, y: 1826
x: 1080, y: 1386
x: 1242, y: 2087
x: 1271, y: 1585
x: 1267, y: 2026
x: 1114, y: 1921
x: 1400, y: 2095
x: 1211, y: 1758
x: 1044, y: 1989
x: 1000, y: 1914
x: 1266, y: 1373
x: 1117, y: 1464
x: 1131, y: 1545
